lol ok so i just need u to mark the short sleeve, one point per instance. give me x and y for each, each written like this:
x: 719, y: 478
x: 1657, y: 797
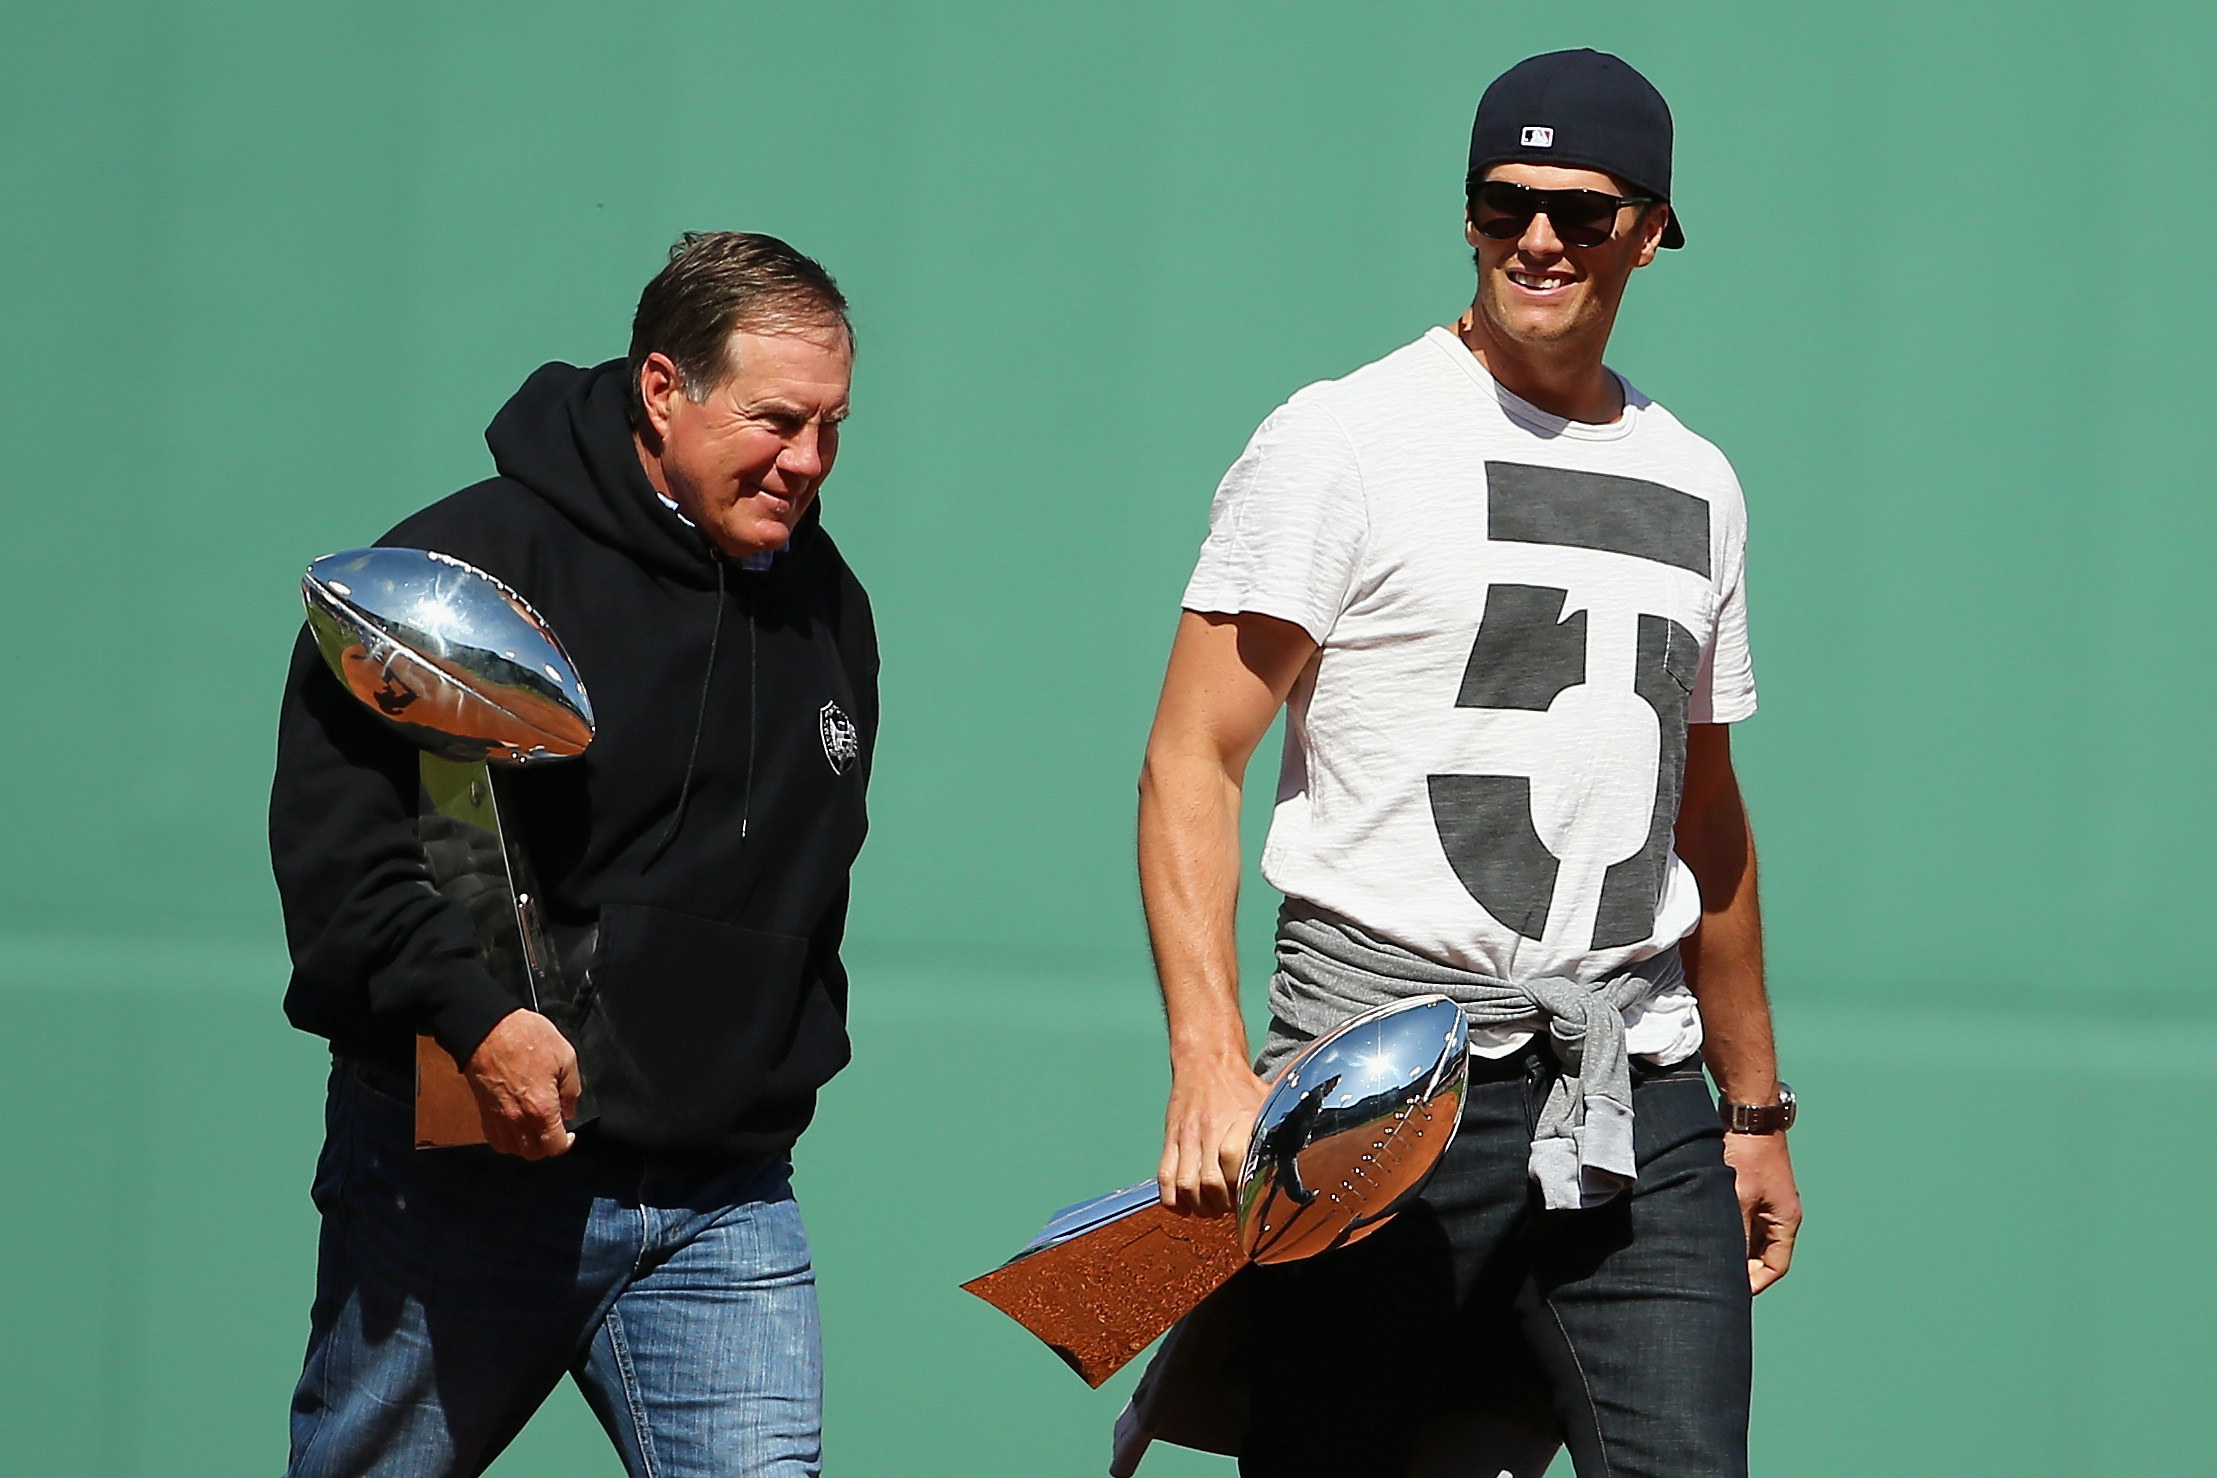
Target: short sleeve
x: 1287, y: 529
x: 1725, y: 691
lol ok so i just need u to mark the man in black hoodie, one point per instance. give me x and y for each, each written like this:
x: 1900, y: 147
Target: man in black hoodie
x: 660, y: 511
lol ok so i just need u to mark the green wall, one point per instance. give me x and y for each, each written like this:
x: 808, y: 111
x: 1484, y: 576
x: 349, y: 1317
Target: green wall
x: 265, y: 272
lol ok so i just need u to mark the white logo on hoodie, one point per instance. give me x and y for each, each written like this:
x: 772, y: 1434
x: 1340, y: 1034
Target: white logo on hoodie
x: 842, y: 740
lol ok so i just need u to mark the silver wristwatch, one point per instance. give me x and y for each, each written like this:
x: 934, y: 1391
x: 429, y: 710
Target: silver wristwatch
x: 1758, y: 1118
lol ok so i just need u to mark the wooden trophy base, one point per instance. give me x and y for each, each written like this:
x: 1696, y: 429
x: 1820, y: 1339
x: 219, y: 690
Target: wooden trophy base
x: 446, y: 1110
x: 1099, y: 1298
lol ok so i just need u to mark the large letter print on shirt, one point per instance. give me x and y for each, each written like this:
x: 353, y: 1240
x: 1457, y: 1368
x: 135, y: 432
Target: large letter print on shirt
x: 1593, y: 700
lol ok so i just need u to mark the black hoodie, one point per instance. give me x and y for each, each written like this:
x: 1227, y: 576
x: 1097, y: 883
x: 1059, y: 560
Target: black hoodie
x: 699, y: 849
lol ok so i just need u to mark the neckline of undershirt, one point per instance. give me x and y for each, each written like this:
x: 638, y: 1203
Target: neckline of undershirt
x: 1526, y: 414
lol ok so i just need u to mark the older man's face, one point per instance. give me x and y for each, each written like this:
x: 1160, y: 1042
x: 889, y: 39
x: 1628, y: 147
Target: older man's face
x: 746, y: 462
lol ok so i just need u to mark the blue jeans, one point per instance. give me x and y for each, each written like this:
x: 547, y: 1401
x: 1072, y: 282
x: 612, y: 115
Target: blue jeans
x: 1623, y: 1329
x: 455, y: 1288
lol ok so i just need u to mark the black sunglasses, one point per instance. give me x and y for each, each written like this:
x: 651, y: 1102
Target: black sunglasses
x: 1502, y: 211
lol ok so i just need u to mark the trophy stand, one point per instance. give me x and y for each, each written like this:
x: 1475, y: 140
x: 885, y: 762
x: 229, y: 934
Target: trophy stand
x: 475, y: 862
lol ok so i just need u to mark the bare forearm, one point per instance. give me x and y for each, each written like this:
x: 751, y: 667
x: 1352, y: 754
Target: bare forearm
x: 1724, y: 964
x: 1227, y: 676
x: 1724, y: 956
x: 1189, y: 883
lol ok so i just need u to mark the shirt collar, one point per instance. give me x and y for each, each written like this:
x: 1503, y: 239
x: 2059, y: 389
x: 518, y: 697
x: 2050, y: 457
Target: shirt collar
x: 756, y: 562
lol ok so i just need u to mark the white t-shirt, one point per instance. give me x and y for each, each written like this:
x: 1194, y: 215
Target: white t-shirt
x: 1517, y: 617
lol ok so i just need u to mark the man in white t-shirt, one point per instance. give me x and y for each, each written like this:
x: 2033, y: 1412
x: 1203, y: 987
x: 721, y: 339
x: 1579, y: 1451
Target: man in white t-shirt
x: 1500, y: 595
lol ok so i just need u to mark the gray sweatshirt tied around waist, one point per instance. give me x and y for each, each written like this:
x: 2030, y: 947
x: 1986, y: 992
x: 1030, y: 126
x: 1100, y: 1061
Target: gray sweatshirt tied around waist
x: 1329, y: 971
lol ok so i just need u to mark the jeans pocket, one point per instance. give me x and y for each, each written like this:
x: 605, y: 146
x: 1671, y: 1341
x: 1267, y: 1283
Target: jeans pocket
x: 777, y: 1243
x: 1674, y: 1114
x: 389, y: 1086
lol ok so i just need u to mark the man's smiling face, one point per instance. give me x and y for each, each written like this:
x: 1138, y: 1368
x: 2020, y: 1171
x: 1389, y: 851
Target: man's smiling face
x: 1536, y: 290
x: 746, y: 460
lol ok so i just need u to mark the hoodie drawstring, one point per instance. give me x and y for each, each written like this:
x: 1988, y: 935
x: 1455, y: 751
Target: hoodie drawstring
x: 746, y: 803
x: 700, y: 720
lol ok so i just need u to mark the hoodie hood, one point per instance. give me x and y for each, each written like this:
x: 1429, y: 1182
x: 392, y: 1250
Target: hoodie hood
x: 566, y: 435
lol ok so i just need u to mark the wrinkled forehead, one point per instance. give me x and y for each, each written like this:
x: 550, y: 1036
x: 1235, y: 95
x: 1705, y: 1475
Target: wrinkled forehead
x: 815, y: 362
x: 808, y: 348
x: 1559, y: 177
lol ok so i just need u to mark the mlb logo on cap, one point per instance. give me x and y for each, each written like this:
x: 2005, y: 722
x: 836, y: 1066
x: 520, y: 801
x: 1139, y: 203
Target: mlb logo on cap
x: 1539, y: 138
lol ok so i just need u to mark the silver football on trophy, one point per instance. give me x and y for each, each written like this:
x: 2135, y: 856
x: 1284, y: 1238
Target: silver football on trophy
x: 1352, y: 1128
x: 451, y: 656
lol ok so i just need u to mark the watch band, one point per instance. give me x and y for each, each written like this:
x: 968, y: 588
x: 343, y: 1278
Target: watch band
x: 1758, y: 1118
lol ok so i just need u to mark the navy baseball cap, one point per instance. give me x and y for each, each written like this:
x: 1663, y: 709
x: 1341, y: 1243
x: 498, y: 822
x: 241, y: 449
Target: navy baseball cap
x: 1584, y: 109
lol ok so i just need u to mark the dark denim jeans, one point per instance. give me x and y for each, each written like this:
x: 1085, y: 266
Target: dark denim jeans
x: 455, y: 1288
x: 1626, y: 1324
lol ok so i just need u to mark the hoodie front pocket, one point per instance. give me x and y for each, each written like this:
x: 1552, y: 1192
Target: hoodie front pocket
x: 710, y: 1029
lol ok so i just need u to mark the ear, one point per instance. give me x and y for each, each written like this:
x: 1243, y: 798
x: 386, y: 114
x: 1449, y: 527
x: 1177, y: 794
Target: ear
x: 660, y: 386
x: 1470, y: 229
x: 1651, y: 233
